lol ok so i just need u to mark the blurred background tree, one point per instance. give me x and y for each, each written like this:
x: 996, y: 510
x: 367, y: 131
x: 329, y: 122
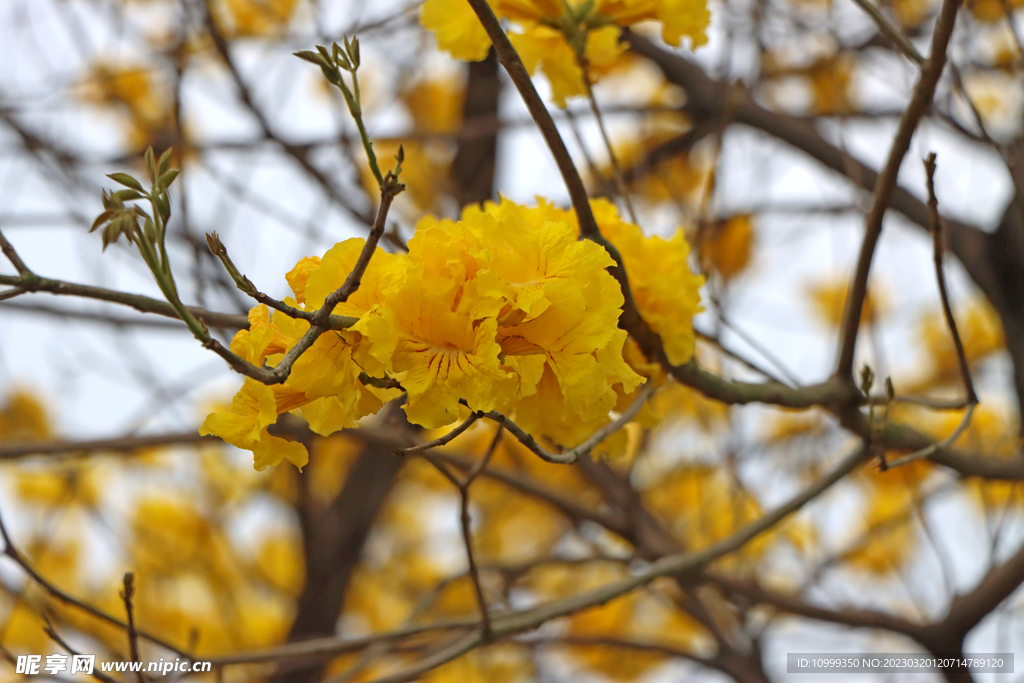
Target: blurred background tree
x: 764, y: 146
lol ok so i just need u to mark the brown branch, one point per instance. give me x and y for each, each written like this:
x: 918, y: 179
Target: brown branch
x: 630, y: 319
x: 355, y: 278
x: 568, y: 507
x: 12, y: 255
x: 297, y: 153
x: 442, y: 440
x: 63, y: 644
x: 475, y: 161
x: 676, y: 564
x: 139, y: 302
x: 892, y: 32
x: 966, y: 611
x: 571, y: 455
x: 124, y: 444
x: 940, y: 277
x: 127, y: 594
x: 95, y: 316
x: 467, y: 537
x: 856, y: 618
x: 15, y: 555
x: 333, y: 541
x: 921, y: 99
x: 509, y: 58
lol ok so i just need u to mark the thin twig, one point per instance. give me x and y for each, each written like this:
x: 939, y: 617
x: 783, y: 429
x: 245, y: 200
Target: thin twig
x: 676, y: 565
x: 320, y: 321
x: 467, y: 537
x: 736, y: 356
x: 12, y: 552
x: 890, y: 31
x: 971, y: 396
x: 55, y: 637
x: 934, y: 448
x: 139, y: 302
x: 442, y: 440
x: 442, y: 656
x: 12, y: 255
x: 127, y: 594
x: 612, y: 158
x: 924, y: 91
x: 124, y: 444
x: 570, y: 456
x: 246, y: 286
x: 940, y: 277
x: 8, y: 294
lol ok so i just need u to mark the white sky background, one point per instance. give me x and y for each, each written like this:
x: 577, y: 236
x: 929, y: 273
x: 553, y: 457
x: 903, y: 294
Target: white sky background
x: 103, y: 382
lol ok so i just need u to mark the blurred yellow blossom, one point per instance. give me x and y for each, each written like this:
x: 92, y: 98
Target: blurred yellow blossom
x: 726, y: 246
x: 23, y: 417
x: 559, y: 37
x: 828, y: 299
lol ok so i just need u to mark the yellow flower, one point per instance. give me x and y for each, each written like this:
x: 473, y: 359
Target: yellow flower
x: 438, y: 339
x: 324, y: 385
x: 23, y: 417
x: 830, y: 81
x: 558, y: 320
x: 253, y: 18
x: 991, y: 11
x: 456, y: 28
x: 545, y: 48
x: 828, y: 299
x: 728, y: 246
x: 981, y: 334
x: 890, y: 538
x: 558, y: 36
x: 244, y: 425
x: 666, y: 291
x: 435, y: 105
x: 298, y: 277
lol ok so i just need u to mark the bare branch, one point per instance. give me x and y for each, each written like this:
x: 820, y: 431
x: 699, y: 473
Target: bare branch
x: 886, y: 183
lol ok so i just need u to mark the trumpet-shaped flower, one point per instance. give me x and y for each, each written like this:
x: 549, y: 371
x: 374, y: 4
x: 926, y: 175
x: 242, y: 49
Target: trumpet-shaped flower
x: 437, y: 337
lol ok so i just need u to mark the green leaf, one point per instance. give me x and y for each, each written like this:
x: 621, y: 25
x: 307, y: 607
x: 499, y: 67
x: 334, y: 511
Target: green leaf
x: 165, y: 162
x: 102, y: 218
x: 126, y: 180
x: 150, y: 164
x: 311, y: 57
x: 331, y: 75
x: 354, y: 52
x: 215, y: 245
x: 122, y: 196
x: 163, y: 205
x: 167, y: 178
x: 149, y: 230
x: 341, y: 56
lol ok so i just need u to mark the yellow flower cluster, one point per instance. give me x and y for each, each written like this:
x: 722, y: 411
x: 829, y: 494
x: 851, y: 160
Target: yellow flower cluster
x: 557, y: 36
x: 504, y: 310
